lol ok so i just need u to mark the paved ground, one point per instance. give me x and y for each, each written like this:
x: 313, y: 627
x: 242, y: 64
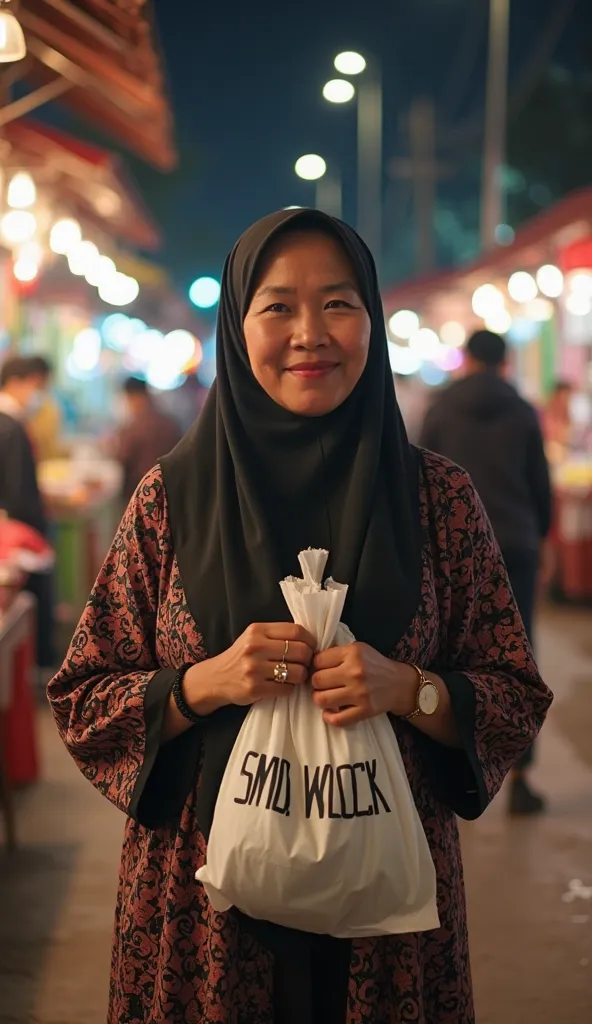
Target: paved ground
x: 531, y: 946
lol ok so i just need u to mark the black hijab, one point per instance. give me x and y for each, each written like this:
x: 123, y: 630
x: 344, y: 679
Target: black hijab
x: 252, y: 484
x: 249, y: 487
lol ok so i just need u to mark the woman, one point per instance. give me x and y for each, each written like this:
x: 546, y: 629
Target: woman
x: 300, y: 444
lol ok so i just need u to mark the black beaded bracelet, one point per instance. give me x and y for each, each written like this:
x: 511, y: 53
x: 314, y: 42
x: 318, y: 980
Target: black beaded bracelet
x: 180, y: 702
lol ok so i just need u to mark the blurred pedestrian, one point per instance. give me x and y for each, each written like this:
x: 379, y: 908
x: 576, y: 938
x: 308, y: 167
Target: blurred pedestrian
x: 20, y: 386
x: 45, y: 418
x: 146, y: 434
x: 300, y: 444
x: 557, y: 422
x: 481, y: 423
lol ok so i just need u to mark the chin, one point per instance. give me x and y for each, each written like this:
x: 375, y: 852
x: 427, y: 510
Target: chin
x: 314, y: 405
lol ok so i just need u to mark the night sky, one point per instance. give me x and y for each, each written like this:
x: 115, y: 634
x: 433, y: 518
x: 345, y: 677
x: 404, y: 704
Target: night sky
x: 245, y: 85
x: 245, y: 82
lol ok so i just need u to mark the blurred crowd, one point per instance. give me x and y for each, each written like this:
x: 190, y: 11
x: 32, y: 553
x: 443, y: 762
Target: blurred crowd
x: 479, y: 421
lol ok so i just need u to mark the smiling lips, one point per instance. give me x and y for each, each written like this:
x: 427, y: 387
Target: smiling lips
x: 312, y: 370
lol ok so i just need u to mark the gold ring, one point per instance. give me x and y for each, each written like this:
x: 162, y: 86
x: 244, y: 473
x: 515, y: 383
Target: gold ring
x: 285, y: 657
x: 280, y: 673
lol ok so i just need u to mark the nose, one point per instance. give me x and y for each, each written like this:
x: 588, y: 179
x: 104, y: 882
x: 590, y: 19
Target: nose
x: 309, y: 330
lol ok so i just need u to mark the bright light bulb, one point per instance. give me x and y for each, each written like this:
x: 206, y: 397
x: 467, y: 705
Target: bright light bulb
x: 339, y: 91
x: 180, y: 348
x: 486, y: 300
x: 550, y: 281
x: 119, y: 290
x: 82, y: 258
x: 522, y: 287
x: 310, y: 167
x: 25, y: 270
x: 578, y: 304
x: 18, y: 226
x: 31, y: 252
x: 403, y: 324
x: 65, y: 235
x: 349, y: 63
x: 499, y: 321
x: 425, y: 343
x: 12, y: 40
x: 580, y: 282
x: 21, y: 191
x: 403, y: 361
x: 100, y: 271
x: 144, y: 348
x: 161, y: 377
x: 454, y: 334
x: 87, y: 349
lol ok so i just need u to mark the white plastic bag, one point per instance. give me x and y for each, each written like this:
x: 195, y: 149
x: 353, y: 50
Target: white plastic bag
x: 315, y: 826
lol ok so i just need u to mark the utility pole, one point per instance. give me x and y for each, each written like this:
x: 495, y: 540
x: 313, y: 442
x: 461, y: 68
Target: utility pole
x: 492, y: 199
x: 423, y: 171
x: 370, y: 169
x: 328, y: 194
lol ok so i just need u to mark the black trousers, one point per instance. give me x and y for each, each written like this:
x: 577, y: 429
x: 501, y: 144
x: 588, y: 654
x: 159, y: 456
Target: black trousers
x: 523, y: 568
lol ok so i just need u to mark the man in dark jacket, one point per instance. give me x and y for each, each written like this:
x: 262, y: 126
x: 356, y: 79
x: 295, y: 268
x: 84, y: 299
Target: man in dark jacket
x: 147, y: 434
x: 20, y: 388
x: 482, y: 423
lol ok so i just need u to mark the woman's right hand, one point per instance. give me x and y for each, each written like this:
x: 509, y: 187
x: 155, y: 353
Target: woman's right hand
x: 244, y: 673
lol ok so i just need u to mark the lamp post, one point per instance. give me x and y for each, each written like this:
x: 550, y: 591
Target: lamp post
x: 369, y: 132
x: 495, y: 121
x: 312, y: 167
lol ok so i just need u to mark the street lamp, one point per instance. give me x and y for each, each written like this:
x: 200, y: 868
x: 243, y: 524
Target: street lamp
x: 12, y: 39
x: 312, y: 167
x: 369, y: 94
x: 338, y: 90
x: 350, y: 63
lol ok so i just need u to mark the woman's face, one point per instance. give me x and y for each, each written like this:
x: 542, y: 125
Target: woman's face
x: 307, y: 330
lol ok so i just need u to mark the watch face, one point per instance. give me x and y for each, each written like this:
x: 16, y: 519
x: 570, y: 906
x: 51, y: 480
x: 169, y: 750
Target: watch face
x: 429, y: 698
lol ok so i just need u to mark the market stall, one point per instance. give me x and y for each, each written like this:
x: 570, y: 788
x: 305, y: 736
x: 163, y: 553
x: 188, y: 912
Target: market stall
x: 537, y: 292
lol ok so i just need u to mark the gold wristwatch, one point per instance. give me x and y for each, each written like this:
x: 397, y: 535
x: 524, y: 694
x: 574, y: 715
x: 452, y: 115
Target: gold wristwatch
x: 427, y: 697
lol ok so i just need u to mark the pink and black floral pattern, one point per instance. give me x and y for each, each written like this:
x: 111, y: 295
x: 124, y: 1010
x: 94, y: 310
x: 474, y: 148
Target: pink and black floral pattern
x: 174, y: 959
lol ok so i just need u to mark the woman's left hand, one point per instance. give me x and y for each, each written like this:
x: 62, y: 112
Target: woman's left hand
x: 355, y: 682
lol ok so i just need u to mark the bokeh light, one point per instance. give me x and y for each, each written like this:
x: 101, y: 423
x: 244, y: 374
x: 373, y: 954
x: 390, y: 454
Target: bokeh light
x: 453, y: 333
x: 86, y: 350
x: 550, y: 281
x: 403, y: 324
x: 403, y: 360
x: 339, y: 91
x: 310, y: 167
x: 205, y: 292
x: 425, y: 343
x: 499, y: 321
x: 350, y: 63
x: 18, y: 226
x: 522, y: 287
x: 65, y: 235
x: 21, y: 191
x: 487, y: 299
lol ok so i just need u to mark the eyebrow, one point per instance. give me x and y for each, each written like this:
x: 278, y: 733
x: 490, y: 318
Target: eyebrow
x: 338, y: 286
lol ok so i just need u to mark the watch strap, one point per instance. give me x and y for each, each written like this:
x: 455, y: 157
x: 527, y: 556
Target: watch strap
x: 423, y: 681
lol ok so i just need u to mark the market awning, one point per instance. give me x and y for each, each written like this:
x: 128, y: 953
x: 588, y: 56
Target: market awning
x: 100, y: 55
x: 89, y: 181
x: 536, y: 242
